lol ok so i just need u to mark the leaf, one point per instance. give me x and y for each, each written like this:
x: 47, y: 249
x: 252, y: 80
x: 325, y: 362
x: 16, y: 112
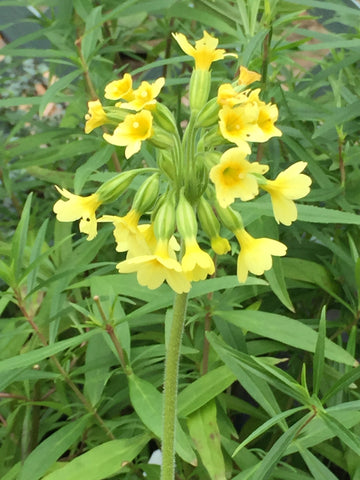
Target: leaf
x: 338, y: 429
x: 147, y: 402
x: 205, y: 434
x: 286, y: 330
x: 92, y: 32
x: 45, y: 455
x: 276, y: 280
x: 204, y: 389
x: 102, y: 461
x: 319, y: 356
x: 19, y: 238
x: 98, y: 359
x: 317, y: 468
x: 35, y: 356
x: 277, y: 451
x: 50, y: 95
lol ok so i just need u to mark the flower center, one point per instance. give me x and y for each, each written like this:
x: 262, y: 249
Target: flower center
x: 136, y: 124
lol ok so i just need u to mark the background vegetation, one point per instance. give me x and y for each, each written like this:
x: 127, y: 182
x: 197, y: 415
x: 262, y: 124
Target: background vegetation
x: 269, y: 366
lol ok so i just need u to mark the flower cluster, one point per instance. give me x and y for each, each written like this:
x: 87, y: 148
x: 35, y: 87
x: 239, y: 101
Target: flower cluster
x: 200, y: 174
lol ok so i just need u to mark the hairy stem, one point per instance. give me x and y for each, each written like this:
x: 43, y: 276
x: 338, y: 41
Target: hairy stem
x: 170, y: 387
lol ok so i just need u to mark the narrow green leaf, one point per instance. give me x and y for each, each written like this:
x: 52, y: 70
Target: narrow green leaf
x: 205, y: 434
x: 270, y: 460
x: 19, y: 238
x: 45, y: 455
x: 102, y: 461
x: 50, y: 95
x: 92, y: 32
x: 343, y: 382
x: 204, y: 389
x: 35, y: 356
x: 317, y: 468
x: 276, y: 280
x: 266, y: 426
x: 319, y: 356
x: 285, y: 330
x: 147, y: 402
x: 346, y: 435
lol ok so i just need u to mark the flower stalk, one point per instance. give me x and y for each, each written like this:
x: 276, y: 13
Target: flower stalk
x: 171, y: 387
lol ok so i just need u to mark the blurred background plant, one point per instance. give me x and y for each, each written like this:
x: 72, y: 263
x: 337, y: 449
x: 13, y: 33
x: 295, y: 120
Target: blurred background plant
x: 253, y: 355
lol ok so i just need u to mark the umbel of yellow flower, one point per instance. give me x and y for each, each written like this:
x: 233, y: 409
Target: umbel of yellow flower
x: 131, y: 132
x: 153, y: 269
x: 144, y: 96
x: 95, y: 117
x: 289, y: 185
x: 233, y: 177
x: 255, y: 254
x: 120, y: 89
x: 204, y: 52
x: 77, y: 207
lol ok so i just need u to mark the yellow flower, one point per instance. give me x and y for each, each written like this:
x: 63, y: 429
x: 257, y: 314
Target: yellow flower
x: 289, y: 185
x: 95, y: 116
x: 247, y: 77
x: 131, y: 132
x: 144, y: 96
x: 233, y: 177
x: 204, y: 52
x: 220, y: 245
x: 255, y: 254
x: 268, y: 114
x: 227, y: 95
x: 126, y: 232
x: 120, y: 89
x: 76, y: 208
x: 239, y: 124
x: 153, y: 270
x: 196, y: 263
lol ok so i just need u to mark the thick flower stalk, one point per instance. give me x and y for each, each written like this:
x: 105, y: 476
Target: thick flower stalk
x: 196, y: 190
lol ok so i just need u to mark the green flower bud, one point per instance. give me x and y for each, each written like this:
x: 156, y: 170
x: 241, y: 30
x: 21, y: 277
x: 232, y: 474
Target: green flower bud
x: 166, y: 164
x: 209, y: 222
x: 113, y: 188
x: 230, y: 218
x: 209, y: 114
x: 186, y: 218
x: 147, y: 194
x: 164, y: 217
x: 161, y: 138
x: 164, y: 118
x: 198, y: 182
x: 115, y: 114
x: 199, y: 89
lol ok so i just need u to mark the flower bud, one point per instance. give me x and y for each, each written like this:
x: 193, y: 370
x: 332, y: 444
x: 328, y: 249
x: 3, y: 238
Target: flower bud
x: 230, y: 218
x: 186, y: 218
x: 113, y: 188
x: 164, y: 221
x: 199, y: 89
x: 164, y: 118
x: 211, y: 226
x: 198, y: 182
x: 147, y: 194
x: 209, y: 114
x: 115, y: 114
x: 161, y: 138
x: 166, y: 164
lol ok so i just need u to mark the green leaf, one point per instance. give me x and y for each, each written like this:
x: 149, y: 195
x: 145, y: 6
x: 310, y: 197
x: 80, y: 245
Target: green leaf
x: 50, y: 95
x: 286, y: 330
x: 204, y: 389
x: 317, y: 468
x: 339, y: 429
x: 319, y: 356
x: 19, y: 238
x: 205, y: 434
x: 147, y: 402
x: 102, y: 461
x: 45, y: 455
x: 98, y: 359
x: 270, y: 460
x: 35, y: 356
x: 92, y: 32
x: 276, y: 280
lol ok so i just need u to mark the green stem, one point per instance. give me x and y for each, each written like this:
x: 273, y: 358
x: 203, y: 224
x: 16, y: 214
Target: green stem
x: 170, y: 387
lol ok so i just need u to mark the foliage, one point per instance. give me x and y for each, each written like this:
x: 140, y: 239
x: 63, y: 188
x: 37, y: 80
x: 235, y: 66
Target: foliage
x: 268, y: 385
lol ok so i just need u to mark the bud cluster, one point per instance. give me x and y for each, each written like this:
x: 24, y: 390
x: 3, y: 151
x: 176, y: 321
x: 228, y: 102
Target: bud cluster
x: 200, y: 173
